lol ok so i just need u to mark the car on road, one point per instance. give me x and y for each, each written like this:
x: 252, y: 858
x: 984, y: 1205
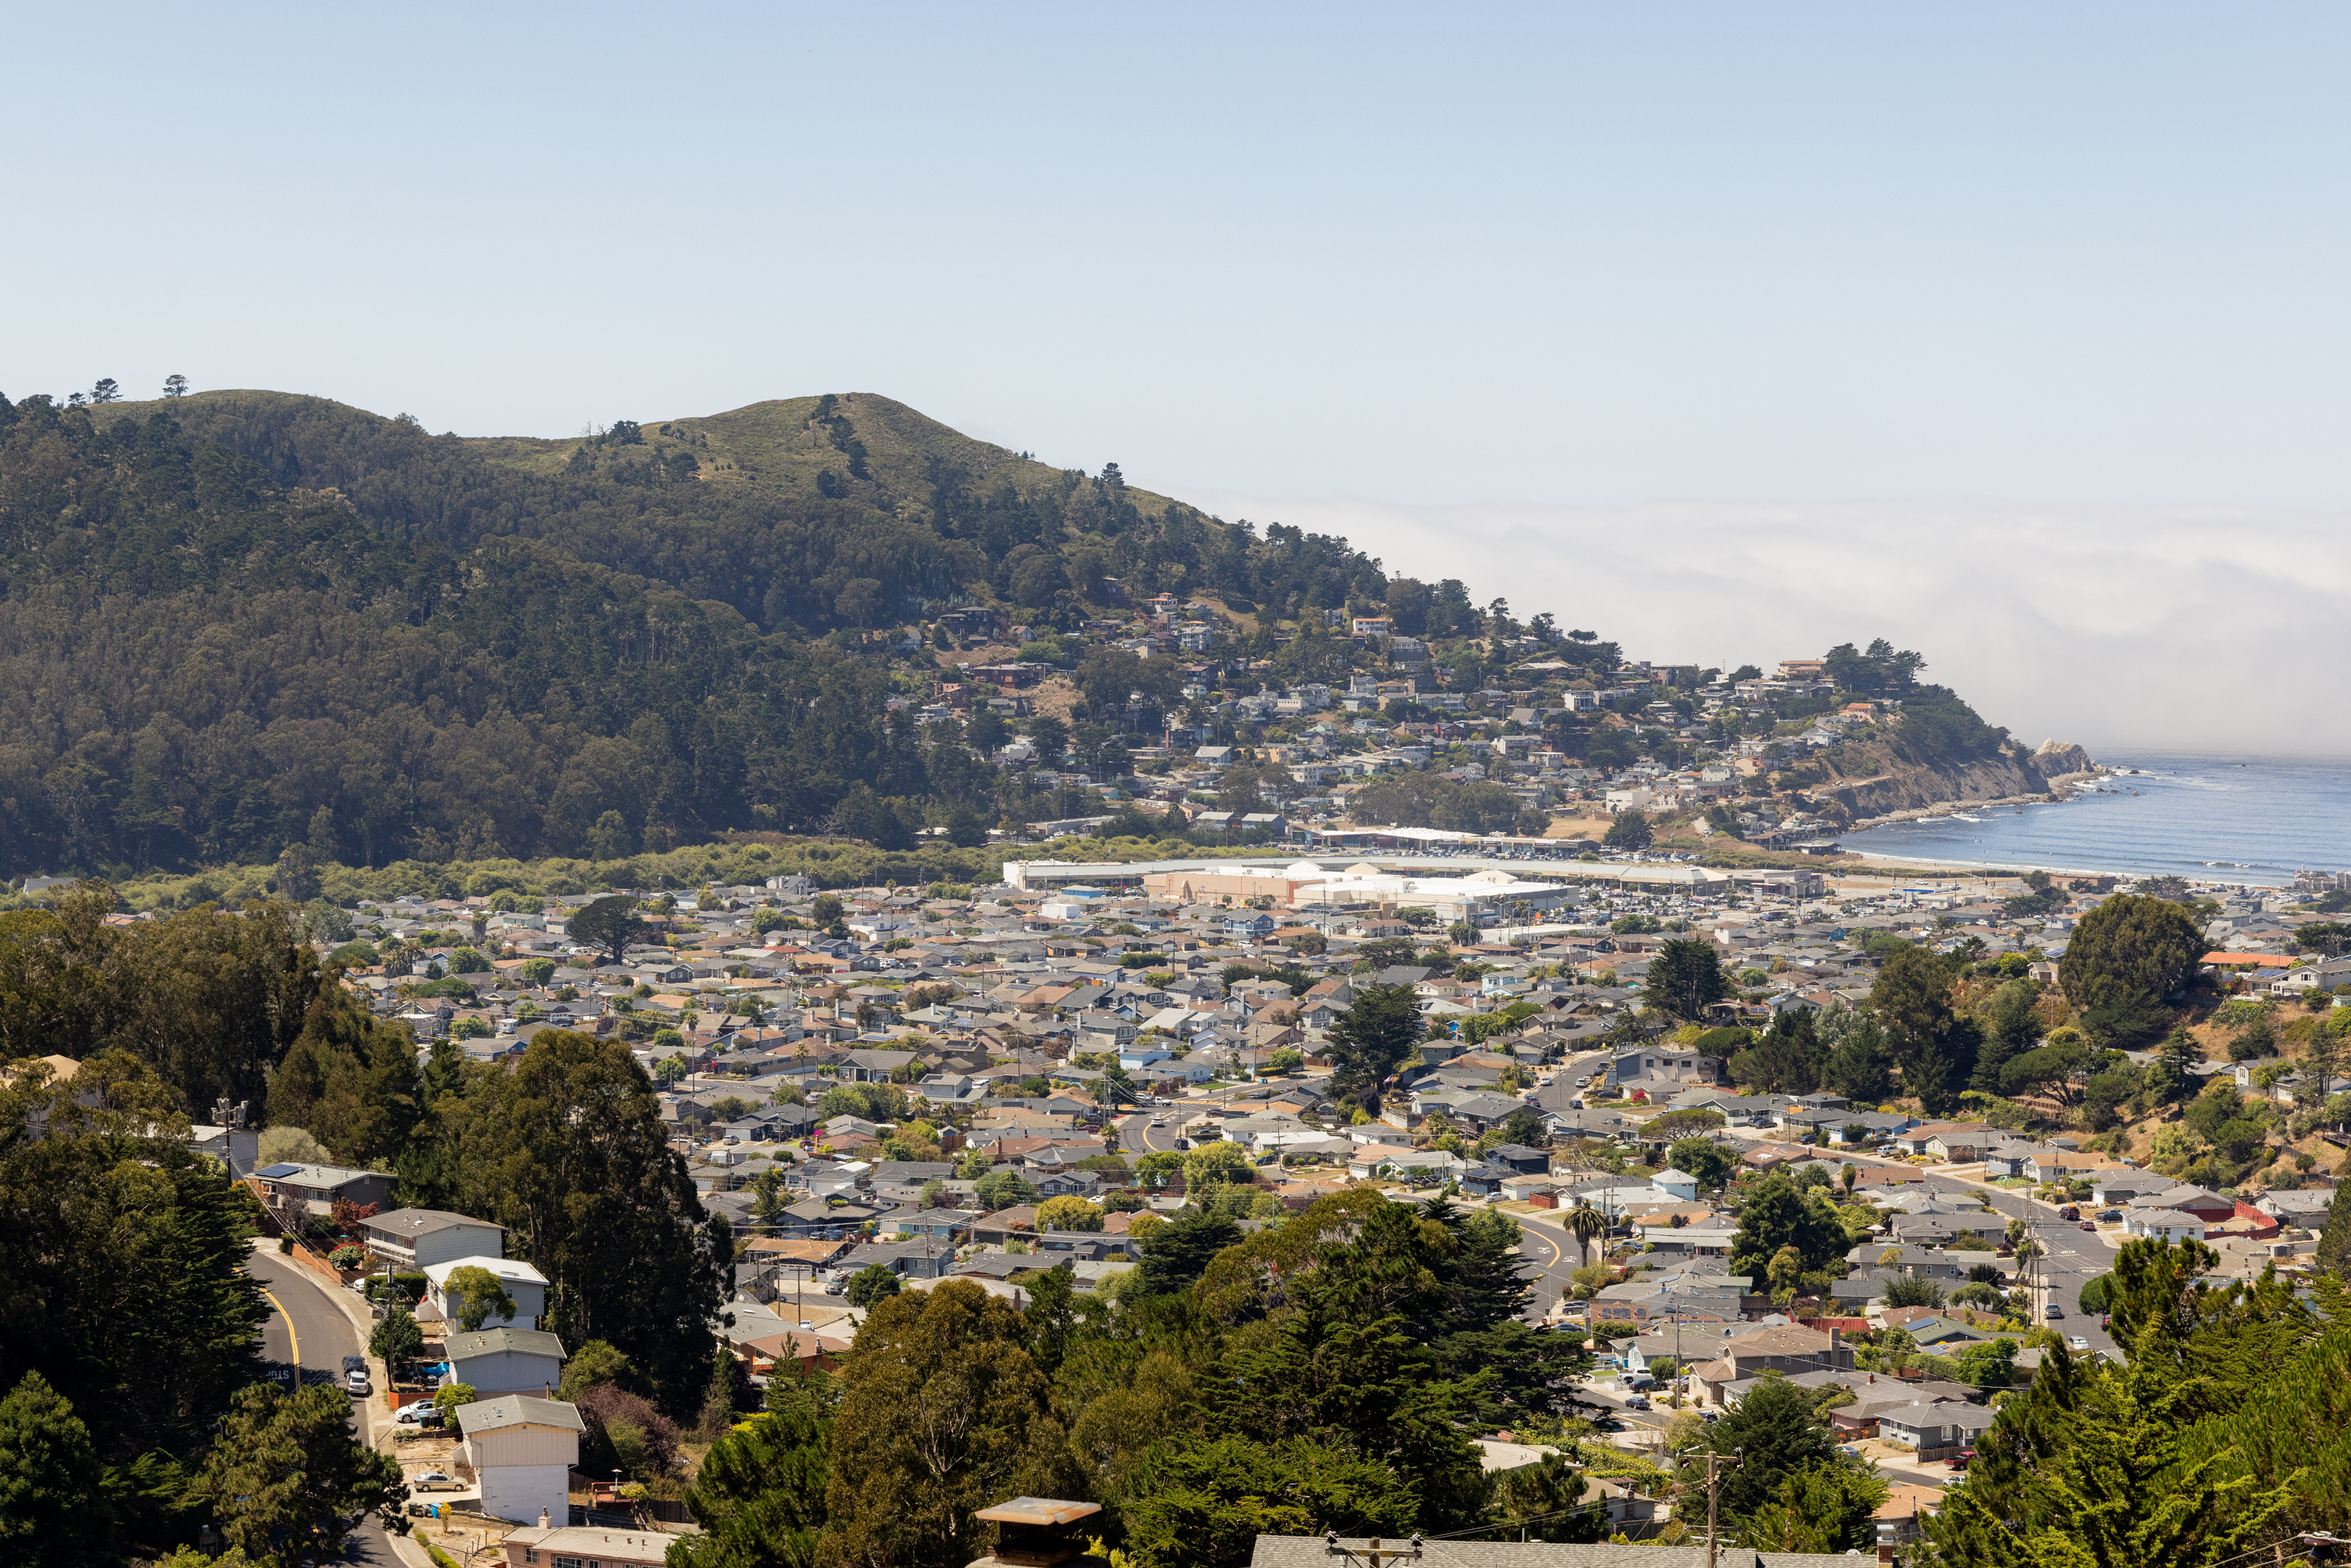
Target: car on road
x: 2088, y: 1225
x: 2076, y: 1344
x: 1636, y: 1402
x: 355, y: 1383
x: 1607, y: 1424
x: 2053, y: 1314
x: 1158, y: 1121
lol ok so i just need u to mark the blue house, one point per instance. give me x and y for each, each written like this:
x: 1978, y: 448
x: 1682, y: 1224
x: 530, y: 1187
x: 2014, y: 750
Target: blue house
x: 1252, y: 924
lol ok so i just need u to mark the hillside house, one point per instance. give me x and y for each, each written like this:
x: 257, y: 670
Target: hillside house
x: 523, y: 1450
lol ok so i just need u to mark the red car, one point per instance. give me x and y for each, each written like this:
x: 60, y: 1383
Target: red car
x: 1961, y: 1462
x: 2086, y: 1225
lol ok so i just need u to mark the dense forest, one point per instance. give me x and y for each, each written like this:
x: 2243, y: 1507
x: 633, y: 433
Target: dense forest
x: 233, y: 622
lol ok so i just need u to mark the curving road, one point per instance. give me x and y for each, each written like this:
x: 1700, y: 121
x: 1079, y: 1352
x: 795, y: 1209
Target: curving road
x: 307, y: 1329
x: 2074, y: 1257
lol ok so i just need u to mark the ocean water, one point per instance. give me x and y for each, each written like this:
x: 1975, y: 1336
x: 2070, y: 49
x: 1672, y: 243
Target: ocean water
x: 2248, y: 819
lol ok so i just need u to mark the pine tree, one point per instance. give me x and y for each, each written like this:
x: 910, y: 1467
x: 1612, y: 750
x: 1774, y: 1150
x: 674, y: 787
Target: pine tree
x: 2334, y: 1240
x: 53, y: 1492
x: 2011, y: 1028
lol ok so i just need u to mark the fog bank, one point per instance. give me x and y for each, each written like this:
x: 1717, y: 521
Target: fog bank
x: 2203, y: 628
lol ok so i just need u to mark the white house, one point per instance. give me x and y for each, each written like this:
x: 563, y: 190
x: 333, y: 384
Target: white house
x: 1679, y: 1185
x: 505, y: 1361
x: 2163, y: 1223
x: 523, y: 1450
x: 1936, y: 1431
x: 420, y: 1237
x: 526, y: 1284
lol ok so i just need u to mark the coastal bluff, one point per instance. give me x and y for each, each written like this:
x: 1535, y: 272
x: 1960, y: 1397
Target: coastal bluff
x: 1899, y: 789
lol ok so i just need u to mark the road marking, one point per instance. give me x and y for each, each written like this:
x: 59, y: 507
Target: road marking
x: 292, y: 1338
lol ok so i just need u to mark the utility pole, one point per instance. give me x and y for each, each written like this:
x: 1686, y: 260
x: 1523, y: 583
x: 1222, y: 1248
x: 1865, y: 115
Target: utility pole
x: 1714, y: 1462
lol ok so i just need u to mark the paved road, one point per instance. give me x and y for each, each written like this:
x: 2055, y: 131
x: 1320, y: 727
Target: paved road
x: 2075, y: 1256
x: 307, y: 1329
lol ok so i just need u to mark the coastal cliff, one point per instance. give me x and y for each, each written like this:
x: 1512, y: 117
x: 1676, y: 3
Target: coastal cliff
x: 1867, y: 785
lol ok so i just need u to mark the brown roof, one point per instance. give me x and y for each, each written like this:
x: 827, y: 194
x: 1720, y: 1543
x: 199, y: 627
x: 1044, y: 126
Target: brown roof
x: 797, y: 1249
x: 793, y: 1345
x: 1781, y: 1339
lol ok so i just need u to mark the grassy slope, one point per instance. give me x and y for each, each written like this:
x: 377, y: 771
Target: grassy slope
x: 774, y: 446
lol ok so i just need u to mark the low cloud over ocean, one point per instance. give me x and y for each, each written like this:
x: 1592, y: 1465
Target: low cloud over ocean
x: 2201, y: 628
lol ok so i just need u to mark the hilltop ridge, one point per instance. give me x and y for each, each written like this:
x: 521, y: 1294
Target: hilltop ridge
x: 850, y: 446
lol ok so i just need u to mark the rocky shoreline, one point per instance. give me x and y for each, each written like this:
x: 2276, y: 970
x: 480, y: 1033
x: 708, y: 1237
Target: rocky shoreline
x: 2010, y: 778
x: 2058, y: 789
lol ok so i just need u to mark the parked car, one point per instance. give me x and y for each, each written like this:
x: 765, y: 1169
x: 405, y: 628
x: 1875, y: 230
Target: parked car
x: 355, y: 1364
x: 2053, y: 1314
x: 1848, y: 1450
x: 1636, y: 1402
x: 1966, y: 1456
x: 2070, y: 1211
x: 355, y: 1383
x: 422, y: 1413
x: 2087, y: 1225
x: 435, y: 1481
x: 2077, y: 1344
x: 2110, y: 1217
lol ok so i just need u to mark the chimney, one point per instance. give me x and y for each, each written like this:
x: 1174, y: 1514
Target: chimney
x: 542, y: 1519
x: 1835, y: 1337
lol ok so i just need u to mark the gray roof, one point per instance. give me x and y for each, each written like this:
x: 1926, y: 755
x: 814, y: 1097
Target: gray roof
x: 1974, y: 1418
x: 421, y: 1221
x: 518, y: 1411
x: 490, y: 1341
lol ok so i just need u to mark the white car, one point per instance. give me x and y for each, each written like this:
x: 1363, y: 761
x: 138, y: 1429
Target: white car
x: 2077, y: 1344
x: 415, y: 1415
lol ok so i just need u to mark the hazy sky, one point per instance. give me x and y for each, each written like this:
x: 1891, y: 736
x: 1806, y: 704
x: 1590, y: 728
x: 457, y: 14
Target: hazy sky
x: 1510, y: 273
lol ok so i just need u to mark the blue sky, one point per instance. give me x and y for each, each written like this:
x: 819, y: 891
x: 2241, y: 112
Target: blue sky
x: 2017, y: 333
x: 1572, y: 253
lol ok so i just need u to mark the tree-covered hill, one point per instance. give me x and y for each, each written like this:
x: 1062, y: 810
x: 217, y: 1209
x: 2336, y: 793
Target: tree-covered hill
x: 239, y: 620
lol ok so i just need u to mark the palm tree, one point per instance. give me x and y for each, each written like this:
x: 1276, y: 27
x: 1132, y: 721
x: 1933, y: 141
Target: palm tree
x: 1586, y: 1225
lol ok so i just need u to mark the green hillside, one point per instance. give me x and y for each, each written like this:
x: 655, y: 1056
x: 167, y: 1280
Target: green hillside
x: 241, y: 619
